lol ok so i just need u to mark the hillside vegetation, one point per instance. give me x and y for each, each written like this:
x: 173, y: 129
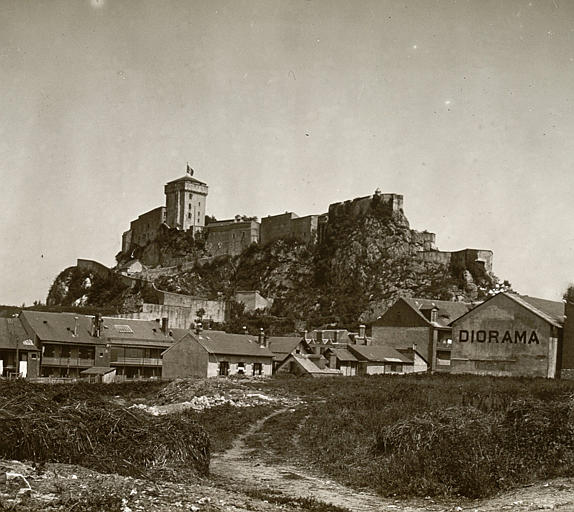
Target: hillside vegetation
x: 362, y: 265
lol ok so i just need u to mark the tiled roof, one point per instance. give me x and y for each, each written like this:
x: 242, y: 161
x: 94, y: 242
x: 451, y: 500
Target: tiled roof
x: 549, y: 310
x: 59, y: 327
x: 447, y: 310
x: 14, y: 336
x: 378, y: 353
x: 284, y: 344
x: 222, y: 343
x: 310, y: 367
x: 343, y: 354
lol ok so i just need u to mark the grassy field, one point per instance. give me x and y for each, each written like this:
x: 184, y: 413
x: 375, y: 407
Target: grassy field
x: 397, y: 435
x: 427, y: 435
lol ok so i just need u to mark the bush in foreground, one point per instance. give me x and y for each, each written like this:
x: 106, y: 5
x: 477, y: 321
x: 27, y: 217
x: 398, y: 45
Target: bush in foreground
x: 52, y: 426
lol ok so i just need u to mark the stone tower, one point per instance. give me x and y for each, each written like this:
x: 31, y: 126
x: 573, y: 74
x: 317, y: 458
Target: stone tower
x: 185, y: 200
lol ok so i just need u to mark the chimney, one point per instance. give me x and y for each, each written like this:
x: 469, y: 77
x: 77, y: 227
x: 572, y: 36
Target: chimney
x: 362, y: 331
x: 434, y: 314
x: 319, y: 336
x: 305, y: 335
x: 245, y: 330
x: 75, y: 326
x: 96, y: 325
x: 164, y: 324
x: 335, y: 336
x: 262, y: 338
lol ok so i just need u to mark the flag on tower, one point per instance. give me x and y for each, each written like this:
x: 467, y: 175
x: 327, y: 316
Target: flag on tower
x: 189, y: 170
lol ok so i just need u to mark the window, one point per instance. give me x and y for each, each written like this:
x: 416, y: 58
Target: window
x: 65, y: 351
x: 33, y: 356
x: 49, y: 351
x: 257, y: 369
x: 241, y: 368
x: 189, y: 215
x: 223, y: 368
x: 124, y: 329
x: 396, y: 368
x: 86, y: 352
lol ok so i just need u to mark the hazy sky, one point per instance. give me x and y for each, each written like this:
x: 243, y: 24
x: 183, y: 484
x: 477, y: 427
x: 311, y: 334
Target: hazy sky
x: 464, y: 107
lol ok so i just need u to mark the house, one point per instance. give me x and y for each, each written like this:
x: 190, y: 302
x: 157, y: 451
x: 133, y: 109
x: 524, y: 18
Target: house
x: 342, y: 359
x: 213, y: 353
x: 377, y: 359
x: 19, y: 356
x: 306, y: 365
x: 99, y: 374
x: 423, y: 324
x: 71, y: 343
x: 420, y: 364
x: 283, y: 346
x: 510, y: 335
x: 252, y: 300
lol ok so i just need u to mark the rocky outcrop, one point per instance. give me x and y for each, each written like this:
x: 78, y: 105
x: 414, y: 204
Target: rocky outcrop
x: 366, y: 258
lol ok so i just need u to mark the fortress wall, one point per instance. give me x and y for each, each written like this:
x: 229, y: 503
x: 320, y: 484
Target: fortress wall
x: 274, y: 227
x: 232, y: 237
x: 305, y: 228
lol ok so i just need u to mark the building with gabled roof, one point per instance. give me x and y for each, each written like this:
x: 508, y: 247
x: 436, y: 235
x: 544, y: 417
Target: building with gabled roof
x: 283, y: 346
x: 510, y: 335
x: 18, y: 353
x: 310, y: 365
x: 422, y: 324
x: 377, y: 359
x: 217, y: 353
x: 342, y: 359
x: 70, y: 343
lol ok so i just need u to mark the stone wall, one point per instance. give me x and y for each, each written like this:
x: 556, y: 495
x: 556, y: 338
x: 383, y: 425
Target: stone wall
x: 231, y: 236
x: 146, y: 227
x: 475, y: 260
x: 181, y: 317
x: 390, y: 203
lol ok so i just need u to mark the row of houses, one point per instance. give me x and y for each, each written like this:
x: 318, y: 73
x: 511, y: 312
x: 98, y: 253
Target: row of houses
x: 506, y: 335
x: 42, y: 345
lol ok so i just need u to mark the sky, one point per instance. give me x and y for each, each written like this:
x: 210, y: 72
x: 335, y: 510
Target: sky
x: 466, y: 108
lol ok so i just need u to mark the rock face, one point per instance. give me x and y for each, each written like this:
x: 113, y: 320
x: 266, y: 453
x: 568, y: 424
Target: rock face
x: 363, y: 262
x: 80, y: 288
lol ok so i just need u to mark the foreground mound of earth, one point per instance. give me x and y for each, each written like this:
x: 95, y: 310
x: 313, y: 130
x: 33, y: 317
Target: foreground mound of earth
x: 59, y: 487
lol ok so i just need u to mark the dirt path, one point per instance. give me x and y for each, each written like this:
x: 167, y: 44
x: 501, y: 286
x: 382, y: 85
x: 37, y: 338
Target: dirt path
x: 237, y: 465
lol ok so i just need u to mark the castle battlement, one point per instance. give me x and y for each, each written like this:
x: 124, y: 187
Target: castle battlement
x: 186, y: 200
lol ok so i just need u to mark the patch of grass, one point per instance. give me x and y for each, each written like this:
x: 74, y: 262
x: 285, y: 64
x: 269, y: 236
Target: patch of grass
x: 420, y: 435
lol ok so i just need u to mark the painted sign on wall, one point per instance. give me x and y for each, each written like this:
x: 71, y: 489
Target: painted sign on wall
x: 492, y: 336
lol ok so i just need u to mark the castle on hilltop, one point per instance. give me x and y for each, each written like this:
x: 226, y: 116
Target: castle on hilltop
x: 185, y: 204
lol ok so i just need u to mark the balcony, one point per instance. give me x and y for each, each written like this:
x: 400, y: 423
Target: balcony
x: 136, y: 361
x: 68, y: 362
